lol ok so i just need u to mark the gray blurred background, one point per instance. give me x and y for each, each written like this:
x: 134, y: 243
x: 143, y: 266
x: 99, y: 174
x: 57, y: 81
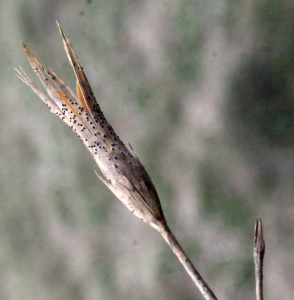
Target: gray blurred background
x: 204, y: 92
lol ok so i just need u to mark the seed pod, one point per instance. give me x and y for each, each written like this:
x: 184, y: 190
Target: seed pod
x: 123, y: 172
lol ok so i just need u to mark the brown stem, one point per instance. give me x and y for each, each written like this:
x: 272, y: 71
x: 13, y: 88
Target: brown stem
x: 191, y: 270
x: 258, y: 254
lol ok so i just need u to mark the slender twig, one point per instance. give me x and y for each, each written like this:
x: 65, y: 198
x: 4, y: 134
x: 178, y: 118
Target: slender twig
x: 185, y: 261
x: 258, y: 254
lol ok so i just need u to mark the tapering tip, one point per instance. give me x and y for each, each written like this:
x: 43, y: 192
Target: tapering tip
x: 259, y: 244
x: 25, y: 48
x: 60, y: 30
x: 58, y: 25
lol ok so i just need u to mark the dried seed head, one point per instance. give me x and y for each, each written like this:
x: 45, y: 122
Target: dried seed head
x: 123, y: 172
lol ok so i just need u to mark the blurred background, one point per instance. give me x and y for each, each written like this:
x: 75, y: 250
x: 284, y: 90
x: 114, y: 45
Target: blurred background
x: 204, y: 93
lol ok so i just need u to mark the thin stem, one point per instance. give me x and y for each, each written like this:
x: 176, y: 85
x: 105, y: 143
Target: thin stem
x: 258, y: 254
x: 185, y: 261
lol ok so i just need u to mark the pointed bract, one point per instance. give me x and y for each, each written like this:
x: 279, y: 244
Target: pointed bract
x: 123, y: 172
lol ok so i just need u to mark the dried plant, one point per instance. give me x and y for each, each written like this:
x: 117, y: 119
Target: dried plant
x: 258, y: 255
x: 123, y: 172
